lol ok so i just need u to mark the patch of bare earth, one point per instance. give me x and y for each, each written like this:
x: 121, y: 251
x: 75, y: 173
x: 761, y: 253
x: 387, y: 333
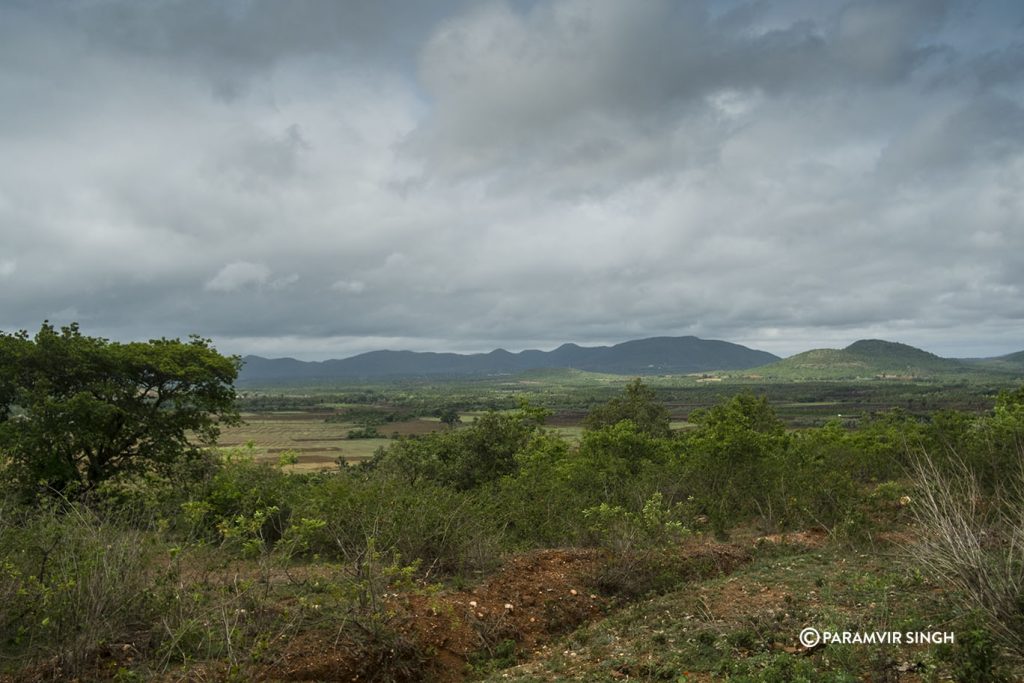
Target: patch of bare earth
x: 814, y: 538
x: 535, y: 598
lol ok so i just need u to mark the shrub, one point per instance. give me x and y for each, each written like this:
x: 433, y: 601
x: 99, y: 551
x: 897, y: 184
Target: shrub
x: 974, y: 542
x: 469, y: 457
x: 640, y: 544
x: 70, y: 584
x: 730, y: 456
x: 445, y: 530
x: 639, y: 405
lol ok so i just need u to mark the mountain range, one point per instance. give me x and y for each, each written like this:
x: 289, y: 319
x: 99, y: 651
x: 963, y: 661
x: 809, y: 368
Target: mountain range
x: 654, y: 356
x: 867, y: 358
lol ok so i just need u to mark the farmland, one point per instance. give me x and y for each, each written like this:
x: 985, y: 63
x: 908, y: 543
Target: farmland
x: 312, y: 422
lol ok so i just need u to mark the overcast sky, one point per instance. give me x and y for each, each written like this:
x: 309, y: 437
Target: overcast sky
x: 317, y: 179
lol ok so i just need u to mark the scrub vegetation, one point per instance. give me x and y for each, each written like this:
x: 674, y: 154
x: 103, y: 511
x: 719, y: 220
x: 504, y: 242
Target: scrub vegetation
x: 490, y: 544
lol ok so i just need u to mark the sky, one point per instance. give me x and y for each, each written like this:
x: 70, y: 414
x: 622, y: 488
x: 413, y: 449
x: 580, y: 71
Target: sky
x: 318, y: 179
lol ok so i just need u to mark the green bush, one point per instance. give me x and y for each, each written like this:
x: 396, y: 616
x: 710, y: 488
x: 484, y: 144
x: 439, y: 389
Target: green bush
x: 71, y: 584
x: 469, y: 457
x: 241, y: 487
x: 640, y: 544
x: 639, y: 405
x: 737, y: 447
x: 445, y: 530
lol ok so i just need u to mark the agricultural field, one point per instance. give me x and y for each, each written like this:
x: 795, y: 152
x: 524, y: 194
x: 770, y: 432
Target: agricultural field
x: 315, y: 442
x: 312, y: 422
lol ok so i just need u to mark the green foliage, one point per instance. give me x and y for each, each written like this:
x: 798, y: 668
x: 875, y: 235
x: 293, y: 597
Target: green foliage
x: 611, y: 461
x: 991, y: 446
x: 445, y: 530
x: 621, y: 531
x: 89, y: 410
x: 737, y: 446
x: 239, y: 556
x: 541, y: 502
x: 975, y: 657
x: 638, y: 404
x: 618, y: 465
x: 242, y: 489
x: 368, y: 432
x: 641, y: 545
x: 70, y: 582
x: 467, y: 458
x: 450, y: 417
x: 494, y: 658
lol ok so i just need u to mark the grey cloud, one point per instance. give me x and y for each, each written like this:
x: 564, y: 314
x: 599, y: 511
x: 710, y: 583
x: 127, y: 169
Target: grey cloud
x: 232, y: 41
x: 564, y: 84
x: 984, y: 131
x: 460, y: 177
x: 237, y: 275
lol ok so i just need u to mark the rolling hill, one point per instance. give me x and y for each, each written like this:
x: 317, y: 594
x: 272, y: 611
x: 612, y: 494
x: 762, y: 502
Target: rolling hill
x: 654, y: 356
x: 867, y: 359
x: 1011, y: 362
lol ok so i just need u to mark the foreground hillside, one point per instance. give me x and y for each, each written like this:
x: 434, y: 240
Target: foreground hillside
x: 743, y: 625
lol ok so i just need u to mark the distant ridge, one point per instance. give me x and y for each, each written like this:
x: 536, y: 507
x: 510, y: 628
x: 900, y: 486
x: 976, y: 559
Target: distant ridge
x: 654, y: 356
x: 866, y: 358
x: 1012, y: 358
x: 1011, y: 362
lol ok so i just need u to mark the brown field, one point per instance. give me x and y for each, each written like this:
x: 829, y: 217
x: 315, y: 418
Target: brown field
x: 318, y: 444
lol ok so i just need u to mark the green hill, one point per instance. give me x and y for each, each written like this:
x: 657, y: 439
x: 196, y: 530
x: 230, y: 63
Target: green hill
x: 867, y: 359
x: 1011, y: 362
x: 654, y: 356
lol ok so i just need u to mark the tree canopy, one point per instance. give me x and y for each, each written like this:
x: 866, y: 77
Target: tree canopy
x: 78, y: 410
x: 639, y: 404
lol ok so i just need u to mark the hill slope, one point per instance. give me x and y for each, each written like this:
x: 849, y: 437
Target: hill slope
x: 867, y: 358
x: 1011, y: 362
x: 657, y: 355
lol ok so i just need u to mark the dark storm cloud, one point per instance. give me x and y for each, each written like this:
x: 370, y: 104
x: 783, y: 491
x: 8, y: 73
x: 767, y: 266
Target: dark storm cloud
x: 324, y: 178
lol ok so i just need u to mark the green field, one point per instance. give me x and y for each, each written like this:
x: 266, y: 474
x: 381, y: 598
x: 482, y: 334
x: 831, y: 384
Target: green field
x: 312, y: 421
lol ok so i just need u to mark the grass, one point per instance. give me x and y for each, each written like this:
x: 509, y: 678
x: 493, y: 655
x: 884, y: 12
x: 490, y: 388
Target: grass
x: 745, y: 626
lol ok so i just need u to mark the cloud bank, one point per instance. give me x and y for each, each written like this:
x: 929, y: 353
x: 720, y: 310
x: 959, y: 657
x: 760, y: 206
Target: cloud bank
x: 319, y: 179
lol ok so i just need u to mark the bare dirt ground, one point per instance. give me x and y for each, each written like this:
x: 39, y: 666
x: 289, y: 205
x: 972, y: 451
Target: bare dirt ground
x: 534, y: 599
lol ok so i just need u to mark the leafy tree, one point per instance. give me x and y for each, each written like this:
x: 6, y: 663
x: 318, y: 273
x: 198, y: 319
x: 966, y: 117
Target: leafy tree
x: 469, y: 457
x: 639, y: 404
x: 731, y: 454
x: 76, y: 410
x: 450, y: 417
